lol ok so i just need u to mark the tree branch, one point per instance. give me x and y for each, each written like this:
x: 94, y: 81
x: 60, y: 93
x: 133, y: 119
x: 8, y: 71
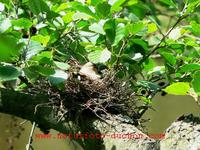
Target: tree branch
x: 23, y: 105
x: 163, y: 39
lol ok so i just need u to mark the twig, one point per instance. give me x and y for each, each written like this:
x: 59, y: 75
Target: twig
x: 16, y: 9
x: 163, y: 38
x: 63, y: 114
x: 120, y: 53
x: 23, y: 122
x: 43, y: 104
x: 28, y: 146
x: 24, y: 54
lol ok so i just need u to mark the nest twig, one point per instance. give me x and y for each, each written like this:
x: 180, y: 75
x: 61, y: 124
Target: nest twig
x: 94, y: 98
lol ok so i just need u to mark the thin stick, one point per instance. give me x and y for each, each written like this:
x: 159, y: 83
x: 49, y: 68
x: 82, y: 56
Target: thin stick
x: 28, y: 146
x: 120, y: 53
x: 163, y: 38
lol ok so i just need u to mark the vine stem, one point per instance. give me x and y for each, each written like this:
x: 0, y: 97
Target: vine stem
x: 163, y: 39
x: 120, y: 53
x: 28, y: 146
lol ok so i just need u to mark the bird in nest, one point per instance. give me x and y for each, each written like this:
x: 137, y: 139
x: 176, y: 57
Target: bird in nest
x: 90, y: 72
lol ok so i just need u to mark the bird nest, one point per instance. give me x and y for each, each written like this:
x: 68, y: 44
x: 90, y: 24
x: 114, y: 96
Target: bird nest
x: 86, y: 98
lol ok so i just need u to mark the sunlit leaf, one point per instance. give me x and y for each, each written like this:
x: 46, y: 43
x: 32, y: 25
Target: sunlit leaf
x: 131, y: 2
x: 195, y: 28
x: 2, y: 6
x: 117, y: 5
x: 135, y: 28
x: 80, y: 15
x: 58, y: 77
x: 83, y: 9
x: 152, y: 27
x: 179, y: 88
x: 192, y: 5
x: 41, y: 39
x: 69, y: 17
x: 62, y: 7
x: 22, y: 23
x: 5, y: 24
x: 63, y: 66
x: 99, y: 56
x: 34, y: 48
x: 98, y: 28
x: 149, y: 64
x: 175, y: 34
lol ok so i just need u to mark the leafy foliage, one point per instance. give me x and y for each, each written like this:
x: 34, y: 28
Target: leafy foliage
x: 42, y: 37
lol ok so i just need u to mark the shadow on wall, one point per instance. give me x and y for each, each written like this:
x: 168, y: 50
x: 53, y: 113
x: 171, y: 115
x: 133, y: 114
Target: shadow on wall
x: 10, y: 128
x: 167, y: 109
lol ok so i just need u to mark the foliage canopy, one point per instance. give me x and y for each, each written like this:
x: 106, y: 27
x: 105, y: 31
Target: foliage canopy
x: 144, y: 42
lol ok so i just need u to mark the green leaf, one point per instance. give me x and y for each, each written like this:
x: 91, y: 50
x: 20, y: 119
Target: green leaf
x: 141, y: 43
x: 98, y: 28
x: 24, y: 1
x: 2, y: 7
x: 80, y: 15
x: 45, y: 71
x: 5, y: 24
x: 9, y: 48
x: 33, y: 49
x: 120, y: 33
x: 99, y: 56
x: 131, y: 2
x: 149, y: 64
x: 41, y: 39
x: 8, y: 73
x: 169, y: 2
x: 68, y: 17
x: 135, y: 28
x: 152, y: 27
x: 196, y: 82
x: 127, y: 59
x: 63, y: 66
x: 117, y: 5
x: 179, y: 88
x: 149, y: 85
x: 83, y: 9
x: 31, y: 73
x: 175, y: 34
x: 58, y: 77
x: 38, y: 6
x: 110, y: 27
x: 192, y: 5
x: 103, y: 10
x: 62, y: 7
x: 189, y: 68
x: 171, y: 59
x: 43, y: 58
x: 94, y: 2
x: 22, y: 23
x: 195, y: 28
